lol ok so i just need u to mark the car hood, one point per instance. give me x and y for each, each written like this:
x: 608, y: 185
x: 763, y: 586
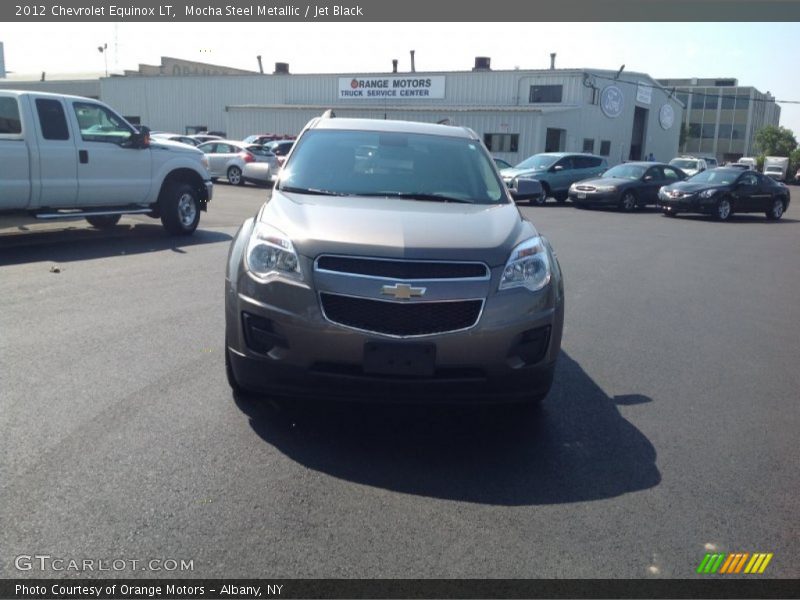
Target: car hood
x: 506, y: 173
x: 171, y: 146
x: 615, y: 181
x: 395, y: 228
x: 690, y: 188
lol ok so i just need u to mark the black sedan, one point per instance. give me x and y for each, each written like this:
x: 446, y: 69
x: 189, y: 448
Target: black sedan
x: 724, y: 191
x: 626, y: 186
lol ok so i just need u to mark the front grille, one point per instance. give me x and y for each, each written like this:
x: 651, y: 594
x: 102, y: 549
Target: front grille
x: 401, y: 319
x: 401, y: 269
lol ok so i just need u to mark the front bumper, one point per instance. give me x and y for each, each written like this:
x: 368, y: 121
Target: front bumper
x: 508, y: 355
x: 209, y: 190
x: 693, y: 204
x: 594, y: 198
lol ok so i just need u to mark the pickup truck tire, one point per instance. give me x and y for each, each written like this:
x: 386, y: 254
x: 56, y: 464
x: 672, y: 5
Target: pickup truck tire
x: 103, y: 221
x: 180, y: 209
x: 235, y: 176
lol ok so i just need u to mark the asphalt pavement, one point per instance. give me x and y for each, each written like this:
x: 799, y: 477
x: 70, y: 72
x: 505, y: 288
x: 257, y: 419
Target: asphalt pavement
x: 671, y: 429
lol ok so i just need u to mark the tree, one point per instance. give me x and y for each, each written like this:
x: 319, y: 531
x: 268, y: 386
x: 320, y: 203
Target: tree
x: 794, y: 164
x: 775, y: 141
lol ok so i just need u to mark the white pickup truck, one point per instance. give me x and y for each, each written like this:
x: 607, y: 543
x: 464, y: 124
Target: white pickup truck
x: 66, y: 157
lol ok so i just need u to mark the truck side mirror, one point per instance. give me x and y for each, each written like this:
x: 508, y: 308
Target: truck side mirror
x: 139, y: 138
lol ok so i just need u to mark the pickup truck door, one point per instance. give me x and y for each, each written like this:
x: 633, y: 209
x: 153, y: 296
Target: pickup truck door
x: 110, y: 172
x: 57, y: 158
x: 15, y: 169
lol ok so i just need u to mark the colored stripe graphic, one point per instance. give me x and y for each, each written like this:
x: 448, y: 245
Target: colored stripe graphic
x: 734, y: 562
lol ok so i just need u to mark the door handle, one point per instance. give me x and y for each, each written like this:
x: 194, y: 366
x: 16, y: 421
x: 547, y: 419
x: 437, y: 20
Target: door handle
x: 83, y: 156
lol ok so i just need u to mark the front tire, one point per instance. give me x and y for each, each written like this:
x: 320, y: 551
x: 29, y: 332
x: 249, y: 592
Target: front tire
x: 723, y: 210
x: 235, y: 176
x: 538, y: 200
x: 776, y: 211
x: 628, y: 202
x: 180, y: 209
x: 103, y: 221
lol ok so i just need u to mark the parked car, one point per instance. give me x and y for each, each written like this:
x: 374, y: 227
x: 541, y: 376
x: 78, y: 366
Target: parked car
x: 280, y: 148
x: 265, y: 138
x: 502, y: 164
x: 691, y: 165
x: 626, y: 186
x: 259, y: 173
x: 724, y: 191
x: 227, y: 158
x: 409, y: 274
x: 67, y: 157
x: 556, y: 171
x: 749, y: 161
x: 174, y: 137
x: 204, y: 137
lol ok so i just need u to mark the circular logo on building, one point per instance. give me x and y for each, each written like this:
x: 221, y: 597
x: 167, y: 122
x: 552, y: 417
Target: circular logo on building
x: 354, y: 83
x: 666, y: 116
x: 611, y: 101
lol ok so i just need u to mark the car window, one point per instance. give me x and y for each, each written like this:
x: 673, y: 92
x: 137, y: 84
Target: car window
x: 401, y: 163
x: 654, y: 173
x: 625, y: 172
x: 748, y: 179
x: 99, y: 124
x: 10, y: 122
x: 671, y: 174
x: 52, y: 119
x: 537, y: 161
x: 565, y: 162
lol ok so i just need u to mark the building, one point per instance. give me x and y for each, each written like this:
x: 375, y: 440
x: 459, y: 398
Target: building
x: 722, y: 117
x: 620, y: 115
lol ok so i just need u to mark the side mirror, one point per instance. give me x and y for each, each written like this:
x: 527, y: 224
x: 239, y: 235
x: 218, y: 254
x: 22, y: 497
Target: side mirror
x: 648, y: 178
x: 139, y: 139
x: 557, y: 168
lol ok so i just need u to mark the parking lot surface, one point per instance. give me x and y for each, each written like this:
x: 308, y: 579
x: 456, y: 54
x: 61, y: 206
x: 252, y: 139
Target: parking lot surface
x: 670, y: 431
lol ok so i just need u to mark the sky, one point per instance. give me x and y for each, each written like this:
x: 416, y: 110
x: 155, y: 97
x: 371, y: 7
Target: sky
x: 763, y: 55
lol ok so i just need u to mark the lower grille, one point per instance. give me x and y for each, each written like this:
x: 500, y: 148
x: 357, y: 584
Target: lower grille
x: 401, y: 319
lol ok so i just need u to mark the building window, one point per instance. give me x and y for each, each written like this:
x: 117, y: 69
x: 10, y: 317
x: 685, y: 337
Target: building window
x: 724, y: 131
x: 133, y: 120
x: 588, y: 145
x: 727, y: 102
x: 698, y: 100
x: 742, y: 102
x: 708, y: 131
x: 711, y: 102
x: 694, y: 130
x: 605, y: 147
x: 684, y: 99
x: 737, y: 132
x: 501, y: 142
x: 724, y: 82
x: 541, y: 94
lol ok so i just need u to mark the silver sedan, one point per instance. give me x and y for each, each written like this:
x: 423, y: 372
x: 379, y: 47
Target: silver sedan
x: 228, y: 159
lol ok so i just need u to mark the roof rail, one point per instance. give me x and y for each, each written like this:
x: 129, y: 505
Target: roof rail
x: 328, y: 114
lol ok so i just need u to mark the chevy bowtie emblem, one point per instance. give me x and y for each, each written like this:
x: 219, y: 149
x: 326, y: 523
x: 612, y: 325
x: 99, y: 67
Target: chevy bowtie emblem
x: 402, y: 291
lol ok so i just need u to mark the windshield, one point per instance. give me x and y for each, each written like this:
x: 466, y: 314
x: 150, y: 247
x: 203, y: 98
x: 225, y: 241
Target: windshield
x: 538, y: 161
x: 774, y: 169
x: 625, y: 172
x: 717, y: 177
x: 683, y: 163
x: 373, y: 163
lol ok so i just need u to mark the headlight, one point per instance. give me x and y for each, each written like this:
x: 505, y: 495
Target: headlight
x: 204, y: 161
x: 606, y: 188
x: 528, y: 266
x: 707, y: 193
x: 270, y: 252
x: 573, y: 187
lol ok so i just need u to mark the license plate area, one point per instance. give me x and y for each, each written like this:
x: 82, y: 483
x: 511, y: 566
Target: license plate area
x: 581, y: 195
x: 397, y: 358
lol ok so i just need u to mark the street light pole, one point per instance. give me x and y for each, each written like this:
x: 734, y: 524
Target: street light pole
x: 103, y: 50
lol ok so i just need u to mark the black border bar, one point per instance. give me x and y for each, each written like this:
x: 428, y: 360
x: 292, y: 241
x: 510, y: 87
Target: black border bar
x: 402, y: 11
x: 711, y: 587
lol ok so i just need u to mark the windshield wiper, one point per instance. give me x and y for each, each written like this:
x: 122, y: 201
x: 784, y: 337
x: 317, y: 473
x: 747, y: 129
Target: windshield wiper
x: 311, y: 191
x: 419, y: 196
